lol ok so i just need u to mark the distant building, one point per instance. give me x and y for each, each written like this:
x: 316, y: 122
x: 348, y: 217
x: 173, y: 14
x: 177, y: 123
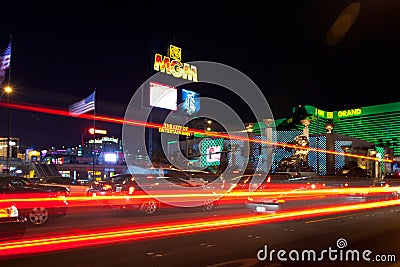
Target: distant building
x: 14, y: 147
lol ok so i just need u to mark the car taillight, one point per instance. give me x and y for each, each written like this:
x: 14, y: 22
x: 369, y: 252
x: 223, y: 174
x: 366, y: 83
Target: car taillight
x: 131, y: 190
x: 107, y: 187
x: 269, y: 179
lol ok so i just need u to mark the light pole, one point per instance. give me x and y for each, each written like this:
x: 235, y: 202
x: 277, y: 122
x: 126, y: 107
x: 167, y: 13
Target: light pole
x: 8, y: 90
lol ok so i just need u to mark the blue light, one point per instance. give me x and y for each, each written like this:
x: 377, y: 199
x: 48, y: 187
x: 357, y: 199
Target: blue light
x: 191, y: 102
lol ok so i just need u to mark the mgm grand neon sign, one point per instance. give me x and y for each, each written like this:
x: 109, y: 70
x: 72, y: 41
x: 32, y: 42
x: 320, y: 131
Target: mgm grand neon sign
x: 172, y: 65
x: 349, y: 113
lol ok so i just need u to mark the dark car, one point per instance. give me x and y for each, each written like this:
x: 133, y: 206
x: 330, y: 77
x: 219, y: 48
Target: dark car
x: 76, y: 188
x: 252, y: 181
x: 392, y: 179
x: 167, y: 183
x: 353, y: 172
x: 336, y: 190
x: 274, y: 192
x: 36, y: 204
x: 12, y: 224
x: 27, y: 182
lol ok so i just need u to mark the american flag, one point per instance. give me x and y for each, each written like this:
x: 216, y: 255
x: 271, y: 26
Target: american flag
x: 5, y: 59
x: 83, y: 106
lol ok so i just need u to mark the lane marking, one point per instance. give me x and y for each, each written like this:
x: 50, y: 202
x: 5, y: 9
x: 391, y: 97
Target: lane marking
x: 330, y: 218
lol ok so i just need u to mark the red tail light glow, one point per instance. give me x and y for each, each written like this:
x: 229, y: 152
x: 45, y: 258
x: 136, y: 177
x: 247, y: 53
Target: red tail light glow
x: 107, y: 187
x: 131, y: 190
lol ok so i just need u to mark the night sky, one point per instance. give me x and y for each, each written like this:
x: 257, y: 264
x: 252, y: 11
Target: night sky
x: 61, y: 52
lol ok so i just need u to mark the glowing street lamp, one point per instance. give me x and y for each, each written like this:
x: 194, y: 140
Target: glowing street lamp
x: 8, y: 89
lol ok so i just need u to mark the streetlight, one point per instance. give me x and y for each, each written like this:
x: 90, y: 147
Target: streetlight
x: 8, y: 90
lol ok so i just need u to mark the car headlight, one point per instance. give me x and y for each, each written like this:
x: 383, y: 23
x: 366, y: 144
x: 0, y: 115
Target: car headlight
x: 13, y: 211
x: 10, y: 211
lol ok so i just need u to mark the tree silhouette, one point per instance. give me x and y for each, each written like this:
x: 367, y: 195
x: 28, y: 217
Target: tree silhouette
x: 291, y: 123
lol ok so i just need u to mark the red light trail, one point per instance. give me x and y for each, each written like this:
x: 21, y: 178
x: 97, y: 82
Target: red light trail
x: 225, y: 197
x: 62, y: 112
x: 125, y: 234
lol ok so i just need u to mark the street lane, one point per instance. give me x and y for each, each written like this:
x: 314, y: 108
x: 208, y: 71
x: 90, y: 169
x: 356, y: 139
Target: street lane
x: 375, y: 229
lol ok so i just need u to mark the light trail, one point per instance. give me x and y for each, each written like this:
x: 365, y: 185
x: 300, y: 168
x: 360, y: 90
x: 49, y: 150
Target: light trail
x: 186, y: 196
x: 63, y: 112
x: 125, y: 234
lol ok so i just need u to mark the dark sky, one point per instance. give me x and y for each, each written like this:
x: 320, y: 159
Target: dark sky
x: 62, y: 51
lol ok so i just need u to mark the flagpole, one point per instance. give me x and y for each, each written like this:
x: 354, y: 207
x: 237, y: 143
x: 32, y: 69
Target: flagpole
x: 94, y: 136
x: 9, y: 68
x: 9, y: 150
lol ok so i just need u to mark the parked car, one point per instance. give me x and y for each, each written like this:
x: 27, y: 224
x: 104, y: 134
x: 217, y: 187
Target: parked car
x: 46, y: 204
x: 76, y: 188
x: 12, y: 223
x: 169, y: 183
x: 27, y: 182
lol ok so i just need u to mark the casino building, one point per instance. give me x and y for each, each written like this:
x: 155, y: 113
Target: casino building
x: 379, y: 124
x: 370, y: 131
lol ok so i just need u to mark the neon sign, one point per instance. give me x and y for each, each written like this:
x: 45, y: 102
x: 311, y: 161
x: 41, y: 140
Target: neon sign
x: 174, y: 129
x: 349, y: 113
x: 172, y: 65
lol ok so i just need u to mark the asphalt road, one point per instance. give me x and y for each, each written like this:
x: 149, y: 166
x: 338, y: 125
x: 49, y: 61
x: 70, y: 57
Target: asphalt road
x: 376, y: 230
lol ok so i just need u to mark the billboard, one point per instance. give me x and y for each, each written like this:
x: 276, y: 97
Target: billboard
x: 213, y: 154
x: 190, y: 102
x: 211, y: 150
x: 163, y: 96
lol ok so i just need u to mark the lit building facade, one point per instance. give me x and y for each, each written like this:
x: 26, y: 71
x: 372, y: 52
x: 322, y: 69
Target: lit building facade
x: 378, y: 124
x: 14, y: 147
x: 369, y: 131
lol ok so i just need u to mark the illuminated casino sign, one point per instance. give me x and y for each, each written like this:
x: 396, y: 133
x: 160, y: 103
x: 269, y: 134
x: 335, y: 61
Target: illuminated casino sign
x: 174, y: 129
x: 349, y: 113
x: 172, y: 65
x: 323, y: 114
x: 191, y: 102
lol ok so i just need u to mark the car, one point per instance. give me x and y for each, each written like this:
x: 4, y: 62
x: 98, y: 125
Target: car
x: 392, y: 179
x: 76, y: 188
x: 12, y: 223
x: 358, y: 188
x: 36, y: 204
x: 300, y: 194
x: 273, y: 192
x: 123, y: 185
x: 27, y: 182
x: 253, y: 181
x: 353, y: 172
x: 149, y: 191
x: 243, y: 182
